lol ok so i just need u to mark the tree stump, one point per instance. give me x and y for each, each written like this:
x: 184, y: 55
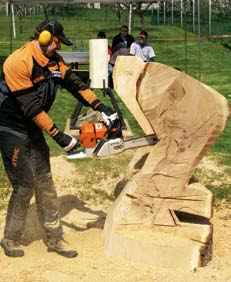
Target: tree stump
x: 159, y: 218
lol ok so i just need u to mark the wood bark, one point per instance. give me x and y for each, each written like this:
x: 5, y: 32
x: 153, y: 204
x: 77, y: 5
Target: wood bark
x: 159, y: 218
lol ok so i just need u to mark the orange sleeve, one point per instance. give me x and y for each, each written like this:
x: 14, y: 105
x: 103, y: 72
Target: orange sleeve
x: 45, y: 123
x: 88, y: 95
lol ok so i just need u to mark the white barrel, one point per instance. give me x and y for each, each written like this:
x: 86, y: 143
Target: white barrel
x: 98, y: 61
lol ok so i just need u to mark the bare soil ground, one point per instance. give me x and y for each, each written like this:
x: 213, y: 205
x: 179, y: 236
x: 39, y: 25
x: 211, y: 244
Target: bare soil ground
x: 83, y: 223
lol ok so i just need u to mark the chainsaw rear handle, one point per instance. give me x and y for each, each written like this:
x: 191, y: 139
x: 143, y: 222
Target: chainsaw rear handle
x: 114, y: 130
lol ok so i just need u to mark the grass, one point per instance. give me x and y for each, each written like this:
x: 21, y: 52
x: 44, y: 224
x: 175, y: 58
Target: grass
x: 218, y: 182
x: 211, y: 62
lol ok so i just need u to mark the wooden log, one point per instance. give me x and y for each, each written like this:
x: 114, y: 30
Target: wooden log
x: 159, y: 218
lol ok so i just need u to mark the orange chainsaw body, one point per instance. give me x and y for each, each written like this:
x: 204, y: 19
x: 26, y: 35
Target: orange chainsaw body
x: 90, y: 133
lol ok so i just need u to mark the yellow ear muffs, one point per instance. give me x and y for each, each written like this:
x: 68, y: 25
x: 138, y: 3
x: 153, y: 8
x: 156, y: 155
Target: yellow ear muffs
x: 44, y: 38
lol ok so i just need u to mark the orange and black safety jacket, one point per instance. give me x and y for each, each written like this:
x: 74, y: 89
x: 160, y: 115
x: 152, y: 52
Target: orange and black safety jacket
x: 28, y: 88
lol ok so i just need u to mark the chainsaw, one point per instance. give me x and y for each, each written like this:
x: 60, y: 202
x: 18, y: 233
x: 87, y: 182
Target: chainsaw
x: 96, y: 141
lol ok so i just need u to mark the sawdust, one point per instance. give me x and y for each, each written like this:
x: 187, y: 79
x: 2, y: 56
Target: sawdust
x: 83, y: 223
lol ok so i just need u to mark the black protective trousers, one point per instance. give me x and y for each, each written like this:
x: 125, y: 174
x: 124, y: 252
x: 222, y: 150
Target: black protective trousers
x: 27, y: 164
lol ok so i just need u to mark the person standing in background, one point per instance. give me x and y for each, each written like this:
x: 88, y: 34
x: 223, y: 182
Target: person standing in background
x: 120, y: 47
x: 122, y: 37
x: 142, y: 49
x: 121, y: 44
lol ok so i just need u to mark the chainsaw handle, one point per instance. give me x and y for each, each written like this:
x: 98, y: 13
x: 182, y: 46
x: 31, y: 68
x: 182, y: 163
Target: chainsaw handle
x: 114, y: 130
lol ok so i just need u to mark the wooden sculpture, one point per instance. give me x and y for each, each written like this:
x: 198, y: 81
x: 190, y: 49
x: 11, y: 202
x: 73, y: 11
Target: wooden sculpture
x: 159, y: 218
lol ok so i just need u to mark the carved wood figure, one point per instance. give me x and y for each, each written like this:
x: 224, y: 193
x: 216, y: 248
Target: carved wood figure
x: 159, y: 218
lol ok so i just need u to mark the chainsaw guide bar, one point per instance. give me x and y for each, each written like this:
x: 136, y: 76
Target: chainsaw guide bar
x: 108, y: 147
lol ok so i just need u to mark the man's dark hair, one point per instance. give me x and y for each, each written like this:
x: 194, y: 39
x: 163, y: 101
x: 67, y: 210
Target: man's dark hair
x: 101, y: 34
x: 143, y: 32
x: 124, y: 26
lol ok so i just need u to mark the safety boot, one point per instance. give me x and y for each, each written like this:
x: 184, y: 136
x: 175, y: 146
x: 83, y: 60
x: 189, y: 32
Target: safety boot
x: 61, y: 247
x: 11, y: 248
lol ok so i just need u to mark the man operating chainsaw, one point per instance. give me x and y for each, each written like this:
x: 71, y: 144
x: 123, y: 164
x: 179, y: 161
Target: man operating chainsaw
x: 28, y: 87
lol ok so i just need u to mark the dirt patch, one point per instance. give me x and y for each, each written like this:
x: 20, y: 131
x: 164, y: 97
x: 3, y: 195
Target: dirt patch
x: 83, y: 223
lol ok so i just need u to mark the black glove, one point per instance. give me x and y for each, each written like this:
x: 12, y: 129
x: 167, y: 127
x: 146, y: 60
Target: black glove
x: 67, y: 142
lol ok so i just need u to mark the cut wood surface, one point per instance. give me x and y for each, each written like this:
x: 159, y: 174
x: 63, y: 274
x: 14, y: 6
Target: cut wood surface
x: 159, y: 218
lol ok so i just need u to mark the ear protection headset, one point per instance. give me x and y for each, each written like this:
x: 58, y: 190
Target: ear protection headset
x: 45, y: 35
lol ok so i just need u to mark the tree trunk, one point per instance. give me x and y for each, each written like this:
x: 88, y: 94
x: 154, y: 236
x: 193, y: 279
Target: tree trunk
x: 159, y: 218
x: 45, y: 9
